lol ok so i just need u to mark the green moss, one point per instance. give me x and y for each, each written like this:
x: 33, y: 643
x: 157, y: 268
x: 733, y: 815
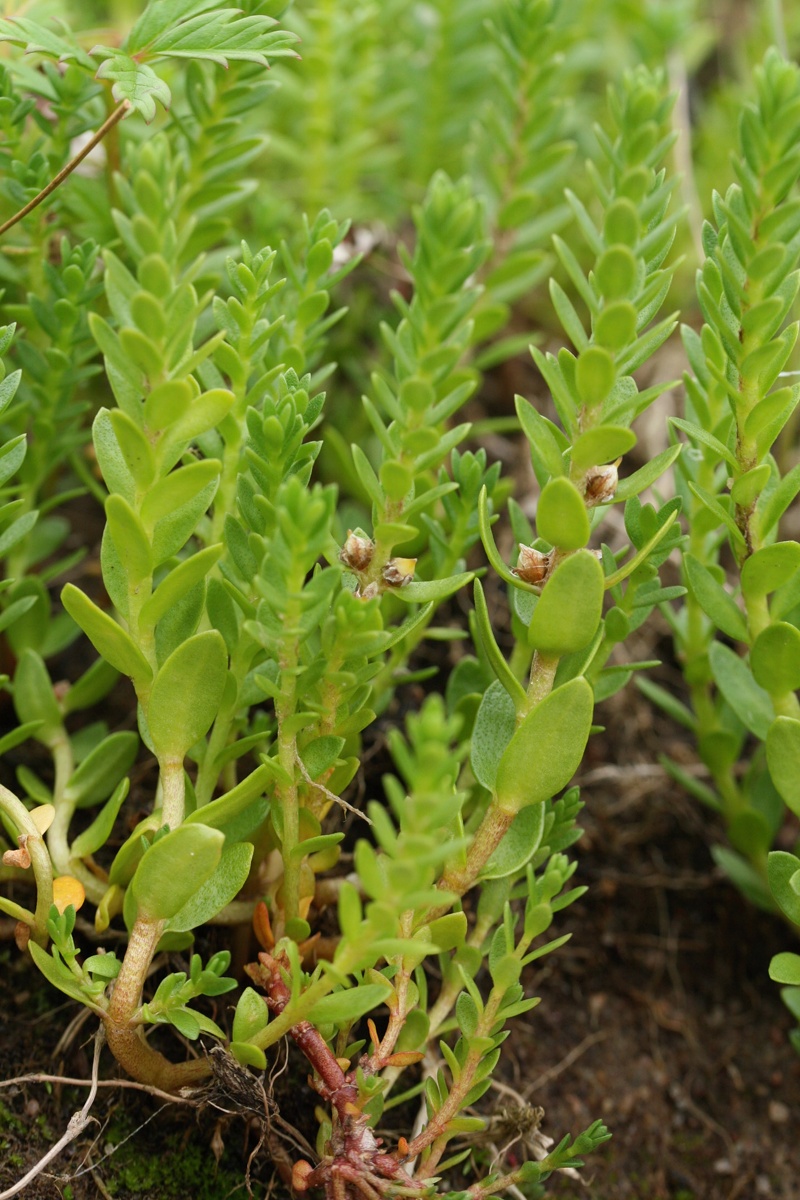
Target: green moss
x: 170, y: 1170
x: 9, y: 1121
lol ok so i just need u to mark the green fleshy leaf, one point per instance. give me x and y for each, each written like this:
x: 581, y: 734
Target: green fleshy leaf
x: 99, y: 831
x: 782, y: 869
x: 231, y: 812
x: 775, y: 658
x: 647, y: 475
x: 349, y: 1004
x: 178, y: 582
x: 34, y: 699
x: 785, y: 968
x: 174, y: 869
x: 423, y: 591
x: 102, y: 770
x: 519, y: 844
x: 62, y: 978
x: 561, y: 516
x: 494, y: 727
x: 248, y: 1056
x: 783, y: 759
x: 547, y: 748
x: 602, y: 444
x: 734, y: 679
x: 219, y: 889
x: 251, y: 1016
x: 107, y: 637
x: 187, y: 694
x: 715, y: 602
x: 569, y: 609
x: 770, y: 568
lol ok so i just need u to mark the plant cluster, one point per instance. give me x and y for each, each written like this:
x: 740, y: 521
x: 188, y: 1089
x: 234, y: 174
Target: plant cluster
x: 177, y: 382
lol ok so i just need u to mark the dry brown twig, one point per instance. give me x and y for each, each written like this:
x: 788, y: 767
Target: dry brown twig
x: 77, y: 1123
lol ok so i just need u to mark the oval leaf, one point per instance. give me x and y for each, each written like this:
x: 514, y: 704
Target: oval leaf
x: 107, y: 637
x: 519, y: 844
x: 187, y: 693
x: 547, y: 748
x: 223, y: 886
x: 783, y: 759
x: 174, y: 869
x: 561, y: 516
x: 570, y: 606
x: 494, y: 729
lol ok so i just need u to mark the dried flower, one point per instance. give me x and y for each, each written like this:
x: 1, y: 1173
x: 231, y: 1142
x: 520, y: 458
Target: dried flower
x: 21, y: 857
x: 357, y: 551
x: 399, y: 571
x: 602, y: 483
x: 532, y: 566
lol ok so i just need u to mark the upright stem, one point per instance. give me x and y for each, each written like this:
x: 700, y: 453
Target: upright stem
x: 777, y: 26
x: 125, y: 1039
x: 489, y: 835
x: 173, y: 785
x: 543, y: 673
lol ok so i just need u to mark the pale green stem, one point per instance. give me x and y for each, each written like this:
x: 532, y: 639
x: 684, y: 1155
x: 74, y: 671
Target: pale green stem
x: 126, y: 1039
x: 287, y: 754
x: 173, y: 786
x: 42, y: 868
x: 58, y: 833
x: 293, y: 1013
x: 543, y: 673
x: 459, y: 877
x: 777, y: 26
x: 450, y: 992
x: 290, y: 808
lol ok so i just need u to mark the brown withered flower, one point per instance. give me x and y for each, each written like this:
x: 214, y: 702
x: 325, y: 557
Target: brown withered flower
x: 357, y: 551
x: 602, y: 483
x: 19, y: 857
x: 399, y: 571
x: 532, y: 566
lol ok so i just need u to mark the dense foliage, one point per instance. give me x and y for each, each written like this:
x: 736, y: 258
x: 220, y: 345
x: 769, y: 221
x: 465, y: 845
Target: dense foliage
x: 279, y: 553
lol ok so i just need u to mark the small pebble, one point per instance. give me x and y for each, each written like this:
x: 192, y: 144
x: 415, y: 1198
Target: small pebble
x: 778, y: 1112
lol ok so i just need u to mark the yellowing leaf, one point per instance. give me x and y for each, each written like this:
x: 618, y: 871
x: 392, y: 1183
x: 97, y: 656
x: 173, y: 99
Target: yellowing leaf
x: 68, y: 890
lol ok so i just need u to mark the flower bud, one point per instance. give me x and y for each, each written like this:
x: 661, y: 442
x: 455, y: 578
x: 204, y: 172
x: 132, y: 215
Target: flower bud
x: 399, y: 571
x: 532, y: 566
x: 300, y: 1173
x: 602, y: 483
x: 357, y: 551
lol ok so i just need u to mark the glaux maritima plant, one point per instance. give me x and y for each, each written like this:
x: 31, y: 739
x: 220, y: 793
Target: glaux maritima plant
x: 263, y: 624
x: 741, y: 578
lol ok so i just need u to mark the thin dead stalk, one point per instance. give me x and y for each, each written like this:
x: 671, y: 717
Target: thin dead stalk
x: 114, y: 119
x: 77, y: 1123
